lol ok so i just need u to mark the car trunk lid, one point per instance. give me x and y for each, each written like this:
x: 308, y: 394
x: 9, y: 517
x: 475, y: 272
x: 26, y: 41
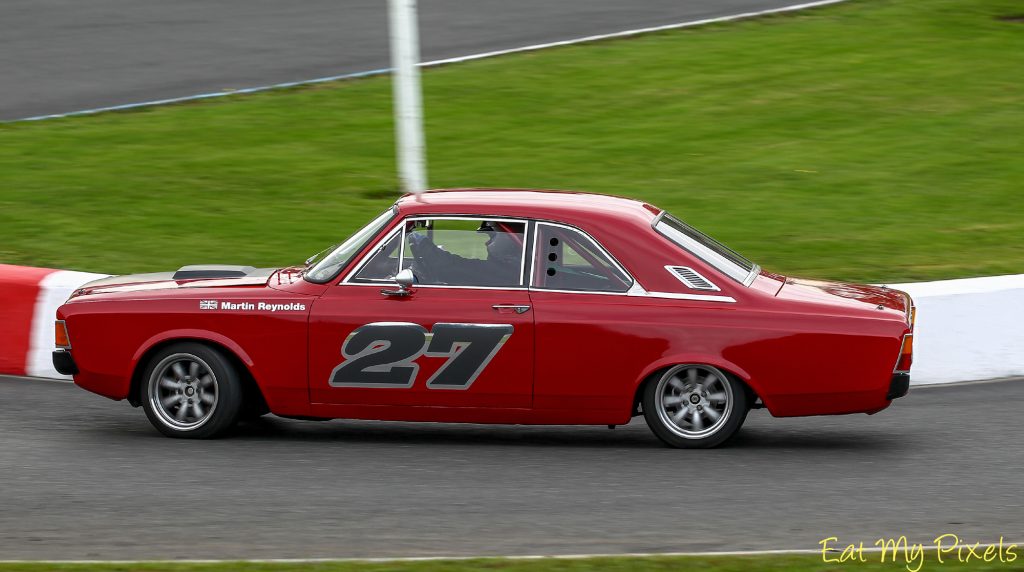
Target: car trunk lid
x: 845, y: 294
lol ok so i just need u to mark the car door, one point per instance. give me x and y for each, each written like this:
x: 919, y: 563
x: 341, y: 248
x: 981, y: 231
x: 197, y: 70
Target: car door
x: 461, y: 336
x: 589, y: 345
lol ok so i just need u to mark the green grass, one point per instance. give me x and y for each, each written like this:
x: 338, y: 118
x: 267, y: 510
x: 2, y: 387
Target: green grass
x: 802, y: 563
x: 874, y: 140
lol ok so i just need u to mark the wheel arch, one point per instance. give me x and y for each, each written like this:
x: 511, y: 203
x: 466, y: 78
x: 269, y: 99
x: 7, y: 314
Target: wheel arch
x: 654, y: 370
x: 232, y: 351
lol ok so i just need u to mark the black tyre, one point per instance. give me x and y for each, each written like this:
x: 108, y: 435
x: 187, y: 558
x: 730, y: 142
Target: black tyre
x: 694, y: 406
x: 191, y: 391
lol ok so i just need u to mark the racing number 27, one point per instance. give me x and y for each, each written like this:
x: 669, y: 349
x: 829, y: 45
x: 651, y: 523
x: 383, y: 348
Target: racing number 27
x: 383, y: 354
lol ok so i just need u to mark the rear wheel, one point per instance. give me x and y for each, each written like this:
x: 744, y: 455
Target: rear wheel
x: 191, y: 391
x: 695, y: 406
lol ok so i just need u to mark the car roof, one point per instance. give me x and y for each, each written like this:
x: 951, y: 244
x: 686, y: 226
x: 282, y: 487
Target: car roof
x: 567, y: 206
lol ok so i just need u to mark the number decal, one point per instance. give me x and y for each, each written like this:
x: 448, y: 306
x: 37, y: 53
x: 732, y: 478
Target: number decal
x: 383, y: 354
x: 468, y: 347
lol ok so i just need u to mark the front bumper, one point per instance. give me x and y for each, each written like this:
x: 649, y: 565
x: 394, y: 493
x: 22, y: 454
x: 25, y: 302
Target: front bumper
x: 64, y: 363
x: 899, y: 386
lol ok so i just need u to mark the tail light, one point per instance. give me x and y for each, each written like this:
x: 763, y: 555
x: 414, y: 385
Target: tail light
x: 906, y: 355
x: 60, y: 335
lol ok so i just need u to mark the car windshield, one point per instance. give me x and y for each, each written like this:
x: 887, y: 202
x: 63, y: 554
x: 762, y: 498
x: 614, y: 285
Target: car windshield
x: 326, y: 265
x: 707, y: 249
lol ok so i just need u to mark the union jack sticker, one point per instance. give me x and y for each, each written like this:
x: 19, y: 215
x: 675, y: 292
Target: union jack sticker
x: 207, y: 304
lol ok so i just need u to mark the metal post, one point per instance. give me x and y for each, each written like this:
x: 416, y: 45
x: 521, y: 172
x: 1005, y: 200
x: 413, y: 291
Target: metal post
x: 405, y: 55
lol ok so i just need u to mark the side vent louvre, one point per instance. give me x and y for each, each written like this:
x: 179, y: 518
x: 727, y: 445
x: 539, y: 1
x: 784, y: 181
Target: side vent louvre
x: 691, y: 278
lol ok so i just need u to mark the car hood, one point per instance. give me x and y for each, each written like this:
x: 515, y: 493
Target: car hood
x: 845, y: 294
x: 214, y: 276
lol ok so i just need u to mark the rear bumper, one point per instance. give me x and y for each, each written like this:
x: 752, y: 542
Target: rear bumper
x: 870, y: 400
x: 64, y: 363
x: 899, y: 386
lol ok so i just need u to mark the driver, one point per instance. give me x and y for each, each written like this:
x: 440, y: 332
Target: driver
x: 501, y: 268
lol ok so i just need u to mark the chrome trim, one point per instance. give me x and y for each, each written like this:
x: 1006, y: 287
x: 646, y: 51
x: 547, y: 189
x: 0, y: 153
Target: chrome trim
x: 636, y: 290
x: 903, y: 343
x: 754, y: 273
x: 373, y: 251
x: 518, y: 308
x: 455, y: 287
x: 639, y: 291
x: 401, y: 246
x: 597, y: 292
x: 452, y: 287
x: 695, y: 297
x: 67, y: 335
x: 533, y: 255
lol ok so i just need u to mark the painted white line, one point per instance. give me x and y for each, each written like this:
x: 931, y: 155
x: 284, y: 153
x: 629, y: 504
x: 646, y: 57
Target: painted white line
x: 780, y: 552
x: 459, y: 59
x: 5, y: 377
x: 1015, y: 379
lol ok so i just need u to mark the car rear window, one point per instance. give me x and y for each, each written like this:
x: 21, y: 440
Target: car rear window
x: 716, y: 254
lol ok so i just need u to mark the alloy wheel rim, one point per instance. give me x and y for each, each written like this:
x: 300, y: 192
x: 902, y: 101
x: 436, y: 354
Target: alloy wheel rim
x: 183, y: 391
x: 694, y: 401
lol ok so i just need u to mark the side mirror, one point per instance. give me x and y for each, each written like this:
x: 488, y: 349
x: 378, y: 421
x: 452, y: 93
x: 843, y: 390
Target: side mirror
x: 404, y: 279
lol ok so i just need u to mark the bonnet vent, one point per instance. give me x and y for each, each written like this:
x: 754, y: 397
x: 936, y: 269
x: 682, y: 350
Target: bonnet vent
x: 691, y: 278
x: 209, y: 271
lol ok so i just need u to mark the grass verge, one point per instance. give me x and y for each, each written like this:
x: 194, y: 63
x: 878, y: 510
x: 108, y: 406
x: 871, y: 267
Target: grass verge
x: 873, y: 140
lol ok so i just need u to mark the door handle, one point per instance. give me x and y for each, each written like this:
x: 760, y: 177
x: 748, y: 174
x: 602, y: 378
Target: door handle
x: 507, y: 308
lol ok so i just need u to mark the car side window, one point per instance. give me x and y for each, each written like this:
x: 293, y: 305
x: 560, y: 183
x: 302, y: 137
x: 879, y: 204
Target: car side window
x: 383, y: 263
x: 568, y: 259
x: 465, y: 252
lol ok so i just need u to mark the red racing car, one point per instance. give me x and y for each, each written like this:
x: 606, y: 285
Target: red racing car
x: 493, y: 306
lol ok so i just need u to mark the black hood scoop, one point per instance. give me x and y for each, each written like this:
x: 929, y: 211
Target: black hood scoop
x: 212, y: 271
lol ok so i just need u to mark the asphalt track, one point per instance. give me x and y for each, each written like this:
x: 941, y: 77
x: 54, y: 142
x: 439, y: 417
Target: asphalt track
x: 61, y: 56
x: 82, y: 477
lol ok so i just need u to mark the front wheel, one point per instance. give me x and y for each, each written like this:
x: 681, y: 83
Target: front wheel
x: 695, y: 406
x: 191, y: 391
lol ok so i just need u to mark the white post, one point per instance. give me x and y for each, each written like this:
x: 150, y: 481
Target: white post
x: 405, y: 55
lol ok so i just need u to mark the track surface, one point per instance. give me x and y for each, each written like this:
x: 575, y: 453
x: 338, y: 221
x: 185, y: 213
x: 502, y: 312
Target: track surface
x: 84, y: 477
x: 66, y: 55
